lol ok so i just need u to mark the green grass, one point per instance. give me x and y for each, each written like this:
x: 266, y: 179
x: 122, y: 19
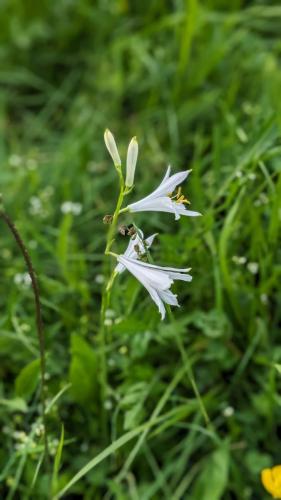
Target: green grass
x: 199, y: 84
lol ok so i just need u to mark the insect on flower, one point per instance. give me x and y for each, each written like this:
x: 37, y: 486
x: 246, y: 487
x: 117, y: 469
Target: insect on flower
x: 137, y: 247
x: 162, y: 198
x: 271, y: 480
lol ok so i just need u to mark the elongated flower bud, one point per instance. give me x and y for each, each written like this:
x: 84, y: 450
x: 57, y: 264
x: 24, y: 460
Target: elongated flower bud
x: 132, y: 156
x: 112, y: 148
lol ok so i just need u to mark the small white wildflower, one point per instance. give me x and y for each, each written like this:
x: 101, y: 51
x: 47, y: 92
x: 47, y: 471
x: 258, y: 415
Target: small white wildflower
x: 239, y: 260
x: 99, y: 279
x: 132, y: 156
x: 252, y: 176
x: 112, y: 148
x: 228, y: 411
x: 253, y: 267
x: 162, y: 199
x: 238, y: 174
x: 109, y: 313
x: 35, y: 205
x: 108, y: 322
x: 22, y: 279
x: 157, y: 280
x: 15, y: 160
x: 70, y: 207
x: 108, y: 405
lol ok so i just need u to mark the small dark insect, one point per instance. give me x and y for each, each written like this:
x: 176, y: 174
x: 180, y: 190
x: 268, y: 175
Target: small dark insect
x: 127, y: 230
x: 107, y: 219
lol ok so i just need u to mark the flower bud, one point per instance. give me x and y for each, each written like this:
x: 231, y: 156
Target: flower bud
x: 132, y: 156
x: 112, y: 148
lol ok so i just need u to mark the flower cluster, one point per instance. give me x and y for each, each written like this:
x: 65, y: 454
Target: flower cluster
x: 167, y: 197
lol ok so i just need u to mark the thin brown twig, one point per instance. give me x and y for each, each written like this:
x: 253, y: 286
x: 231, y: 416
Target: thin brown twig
x: 39, y: 321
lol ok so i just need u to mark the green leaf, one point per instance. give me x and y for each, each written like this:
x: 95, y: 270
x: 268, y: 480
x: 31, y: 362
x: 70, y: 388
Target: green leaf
x: 83, y: 370
x: 212, y: 481
x: 57, y: 462
x: 15, y: 404
x: 27, y: 380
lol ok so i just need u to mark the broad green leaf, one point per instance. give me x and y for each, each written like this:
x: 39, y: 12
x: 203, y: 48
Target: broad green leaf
x: 15, y: 404
x: 27, y: 380
x: 83, y: 370
x: 212, y: 481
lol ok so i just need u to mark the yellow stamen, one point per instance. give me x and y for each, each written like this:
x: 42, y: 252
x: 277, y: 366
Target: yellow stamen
x: 178, y: 197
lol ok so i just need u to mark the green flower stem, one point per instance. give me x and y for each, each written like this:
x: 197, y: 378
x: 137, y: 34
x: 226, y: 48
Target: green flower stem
x: 106, y: 298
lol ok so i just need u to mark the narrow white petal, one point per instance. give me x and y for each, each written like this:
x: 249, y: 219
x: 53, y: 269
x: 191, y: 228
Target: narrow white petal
x: 156, y: 297
x: 132, y: 156
x: 180, y: 276
x: 160, y: 268
x: 150, y: 239
x: 168, y: 297
x: 112, y: 148
x: 182, y: 210
x: 161, y: 204
x: 170, y: 184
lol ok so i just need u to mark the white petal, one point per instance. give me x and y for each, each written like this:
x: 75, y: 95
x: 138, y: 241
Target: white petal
x: 160, y: 268
x: 112, y: 148
x: 180, y: 276
x: 166, y: 187
x: 161, y: 204
x: 155, y: 295
x: 132, y: 156
x: 131, y: 252
x: 170, y: 183
x: 168, y: 297
x: 147, y: 276
x: 182, y: 210
x: 148, y: 241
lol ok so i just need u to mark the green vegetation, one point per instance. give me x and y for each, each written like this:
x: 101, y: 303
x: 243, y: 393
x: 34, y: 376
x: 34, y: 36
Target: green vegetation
x: 199, y: 84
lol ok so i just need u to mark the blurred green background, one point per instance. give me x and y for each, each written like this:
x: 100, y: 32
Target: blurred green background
x: 199, y: 83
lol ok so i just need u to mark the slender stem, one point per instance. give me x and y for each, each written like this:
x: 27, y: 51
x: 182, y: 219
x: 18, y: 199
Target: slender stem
x: 190, y: 373
x: 106, y: 298
x: 39, y: 320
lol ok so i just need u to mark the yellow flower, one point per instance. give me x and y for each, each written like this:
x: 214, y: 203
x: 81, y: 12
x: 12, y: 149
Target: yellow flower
x: 271, y: 480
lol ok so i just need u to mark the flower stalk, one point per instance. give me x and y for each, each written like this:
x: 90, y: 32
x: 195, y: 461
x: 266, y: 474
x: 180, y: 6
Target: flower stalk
x: 38, y: 313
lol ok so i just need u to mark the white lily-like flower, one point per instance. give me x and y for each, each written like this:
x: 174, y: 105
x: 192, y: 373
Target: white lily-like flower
x: 112, y: 148
x: 162, y: 199
x: 132, y: 156
x: 136, y: 248
x: 156, y: 279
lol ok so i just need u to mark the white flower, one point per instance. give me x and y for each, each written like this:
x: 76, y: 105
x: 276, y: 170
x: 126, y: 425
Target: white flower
x: 112, y: 148
x: 70, y: 207
x: 253, y: 267
x: 132, y: 156
x: 137, y: 246
x: 156, y: 279
x: 162, y: 199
